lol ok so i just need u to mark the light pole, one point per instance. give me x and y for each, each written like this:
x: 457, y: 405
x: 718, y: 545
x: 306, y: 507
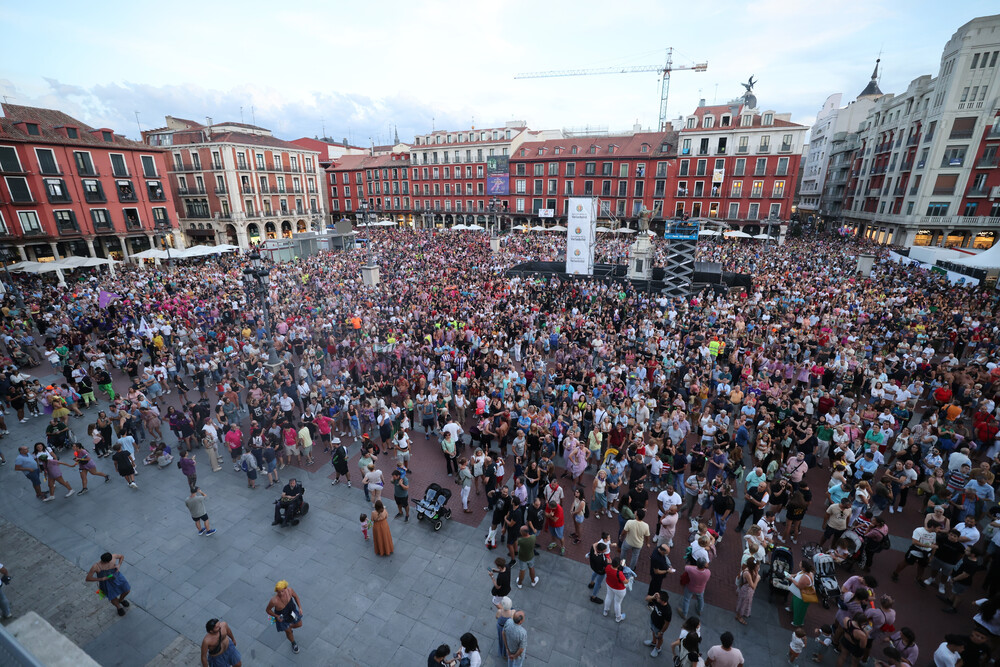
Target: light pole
x: 10, y: 281
x: 259, y: 279
x: 496, y: 206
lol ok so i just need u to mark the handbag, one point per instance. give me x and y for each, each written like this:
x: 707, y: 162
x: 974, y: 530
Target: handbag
x: 685, y: 578
x: 809, y: 594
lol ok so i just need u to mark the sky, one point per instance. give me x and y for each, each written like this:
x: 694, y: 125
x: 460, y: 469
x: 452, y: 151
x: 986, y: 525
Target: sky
x: 359, y: 70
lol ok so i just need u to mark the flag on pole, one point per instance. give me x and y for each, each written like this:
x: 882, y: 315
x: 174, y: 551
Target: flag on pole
x: 105, y: 298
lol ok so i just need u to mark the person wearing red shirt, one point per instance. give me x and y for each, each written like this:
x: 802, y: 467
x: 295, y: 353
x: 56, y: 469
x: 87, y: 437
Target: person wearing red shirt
x: 325, y: 426
x: 554, y: 519
x: 942, y: 394
x: 615, y: 580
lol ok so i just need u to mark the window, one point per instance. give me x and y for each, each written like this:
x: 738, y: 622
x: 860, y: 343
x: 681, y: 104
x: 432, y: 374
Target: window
x: 520, y: 186
x: 553, y: 168
x: 736, y: 191
x: 107, y: 136
x: 744, y: 145
x: 605, y: 188
x: 570, y: 169
x: 761, y: 166
x: 539, y: 169
x: 686, y: 147
x: 100, y: 218
x: 786, y: 143
x: 519, y: 205
x: 702, y: 165
x: 682, y: 188
x: 623, y: 188
x: 683, y: 171
x: 125, y: 191
x: 590, y: 168
x: 765, y: 144
x: 118, y: 167
x: 9, y: 161
x: 708, y: 121
x: 734, y: 211
x: 954, y: 156
x: 20, y: 193
x: 937, y: 209
x: 639, y: 188
x: 775, y: 211
x: 72, y: 133
x: 975, y: 61
x: 703, y: 146
x: 538, y: 185
x: 569, y: 188
x: 55, y: 190
x: 32, y: 128
x: 29, y: 222
x: 606, y: 168
x: 553, y: 184
x: 757, y: 189
x: 93, y: 192
x: 65, y: 221
x: 746, y: 120
x: 778, y: 190
x: 720, y: 164
x: 661, y: 169
x: 623, y: 170
x: 754, y: 212
x: 741, y: 165
x: 46, y: 161
x: 692, y: 123
x: 84, y: 165
x: 782, y: 166
x: 970, y: 209
x: 768, y: 119
x: 721, y: 150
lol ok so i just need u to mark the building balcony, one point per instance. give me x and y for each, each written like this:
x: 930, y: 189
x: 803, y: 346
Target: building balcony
x: 132, y: 224
x: 974, y: 191
x: 987, y: 162
x: 94, y: 198
x: 297, y: 191
x: 127, y: 197
x: 759, y: 173
x: 198, y: 215
x: 62, y: 198
x: 914, y: 189
x: 191, y: 192
x: 906, y: 165
x: 742, y: 150
x: 764, y: 148
x: 121, y: 173
x: 960, y: 134
x: 943, y: 191
x: 929, y: 138
x: 682, y: 193
x: 217, y: 166
x: 777, y: 194
x: 247, y: 190
x: 184, y: 166
x: 899, y: 191
x: 156, y: 194
x: 103, y: 226
x: 913, y: 141
x: 220, y: 190
x: 921, y: 163
x: 265, y: 190
x: 952, y: 162
x: 756, y: 195
x: 785, y: 148
x: 67, y: 228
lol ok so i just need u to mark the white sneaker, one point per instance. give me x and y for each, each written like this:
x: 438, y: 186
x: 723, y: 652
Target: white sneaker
x: 655, y: 652
x: 69, y: 493
x: 941, y: 589
x: 534, y: 582
x: 50, y: 498
x: 647, y: 642
x: 892, y: 510
x: 619, y: 620
x: 520, y: 586
x: 133, y: 485
x: 928, y: 582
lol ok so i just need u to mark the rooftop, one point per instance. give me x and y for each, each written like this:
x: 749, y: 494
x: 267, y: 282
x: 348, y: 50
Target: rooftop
x: 52, y: 126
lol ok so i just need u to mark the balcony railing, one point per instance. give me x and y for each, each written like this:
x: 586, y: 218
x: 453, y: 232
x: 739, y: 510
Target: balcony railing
x: 247, y: 189
x: 199, y: 215
x: 742, y: 150
x: 682, y: 193
x: 156, y: 194
x: 987, y: 162
x: 127, y: 197
x: 220, y: 190
x: 952, y: 161
x: 296, y: 190
x: 94, y: 197
x: 739, y: 172
x: 217, y: 166
x: 978, y: 191
x: 759, y: 172
x: 785, y: 148
x: 914, y: 189
x: 929, y: 138
x: 190, y: 192
x: 764, y: 148
x: 943, y: 191
x: 121, y: 173
x: 756, y: 194
x: 61, y: 198
x: 899, y: 191
x: 906, y: 165
x: 132, y: 224
x: 184, y: 166
x: 265, y: 190
x: 960, y: 134
x: 103, y: 226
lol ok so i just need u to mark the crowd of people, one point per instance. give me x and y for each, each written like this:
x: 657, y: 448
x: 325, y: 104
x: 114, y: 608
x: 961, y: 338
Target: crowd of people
x: 659, y: 423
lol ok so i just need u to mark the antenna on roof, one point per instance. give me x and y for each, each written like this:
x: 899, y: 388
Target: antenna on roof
x: 432, y: 124
x: 241, y: 114
x: 253, y: 117
x: 324, y: 128
x: 7, y: 99
x: 137, y: 123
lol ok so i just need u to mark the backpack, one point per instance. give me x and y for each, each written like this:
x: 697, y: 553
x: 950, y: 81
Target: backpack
x: 243, y: 465
x: 586, y: 510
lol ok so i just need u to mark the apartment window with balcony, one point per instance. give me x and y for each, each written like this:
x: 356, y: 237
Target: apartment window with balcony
x: 55, y: 190
x: 160, y: 217
x: 100, y: 218
x: 93, y: 193
x: 736, y: 190
x: 702, y: 165
x: 570, y: 169
x: 20, y: 193
x: 84, y: 164
x: 703, y: 147
x: 605, y: 188
x: 954, y: 156
x: 620, y: 208
x: 778, y: 189
x: 536, y: 206
x: 699, y: 188
x: 569, y: 188
x: 553, y: 168
x: 65, y: 221
x: 479, y: 171
x: 29, y: 222
x: 682, y: 189
x: 661, y: 169
x: 520, y: 186
x: 623, y: 170
x: 765, y: 144
x: 241, y: 160
x: 686, y: 147
x: 195, y: 160
x: 683, y: 171
x: 721, y: 148
x: 588, y: 188
x: 640, y: 187
x: 782, y: 166
x: 970, y: 209
x: 606, y: 168
x: 734, y: 211
x: 519, y: 205
x: 47, y: 162
x: 590, y: 168
x: 259, y: 159
x: 622, y: 188
x: 659, y: 189
x: 553, y: 185
x: 537, y: 185
x: 293, y: 162
x: 786, y: 143
x: 118, y: 167
x: 754, y: 212
x: 963, y: 128
x: 154, y: 190
x: 757, y: 190
x: 937, y: 209
x: 740, y: 168
x: 760, y: 166
x: 775, y: 211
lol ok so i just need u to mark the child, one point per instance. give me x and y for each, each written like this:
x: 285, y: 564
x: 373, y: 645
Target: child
x: 31, y: 398
x: 655, y: 470
x: 364, y: 526
x: 824, y: 639
x: 796, y: 646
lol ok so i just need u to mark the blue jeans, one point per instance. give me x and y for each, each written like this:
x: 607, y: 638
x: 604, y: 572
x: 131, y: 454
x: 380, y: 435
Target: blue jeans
x: 699, y: 598
x: 515, y: 662
x: 720, y: 523
x: 5, y: 611
x: 628, y: 549
x: 595, y: 579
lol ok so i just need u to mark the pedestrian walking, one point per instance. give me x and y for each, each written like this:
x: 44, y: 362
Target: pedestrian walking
x: 86, y: 465
x: 196, y: 505
x: 124, y: 465
x: 339, y: 460
x: 27, y: 464
x: 659, y: 619
x: 401, y: 494
x: 286, y: 610
x: 186, y: 463
x: 500, y: 576
x: 218, y: 648
x: 526, y: 557
x: 723, y: 654
x: 111, y: 583
x: 694, y: 580
x: 465, y: 480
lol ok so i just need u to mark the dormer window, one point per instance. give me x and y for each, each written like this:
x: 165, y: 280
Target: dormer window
x: 72, y: 133
x: 573, y: 150
x: 592, y: 150
x: 524, y: 152
x: 768, y: 119
x: 31, y: 128
x: 692, y: 123
x: 746, y: 120
x: 611, y: 148
x: 708, y: 121
x: 555, y: 151
x: 644, y: 148
x: 725, y: 121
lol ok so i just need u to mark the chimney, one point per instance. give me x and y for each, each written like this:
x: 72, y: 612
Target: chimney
x: 701, y: 102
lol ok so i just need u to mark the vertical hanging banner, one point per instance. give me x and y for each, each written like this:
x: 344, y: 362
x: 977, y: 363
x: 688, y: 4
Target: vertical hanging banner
x: 498, y: 175
x: 581, y: 228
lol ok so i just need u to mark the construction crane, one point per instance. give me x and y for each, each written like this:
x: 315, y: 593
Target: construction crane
x: 664, y: 71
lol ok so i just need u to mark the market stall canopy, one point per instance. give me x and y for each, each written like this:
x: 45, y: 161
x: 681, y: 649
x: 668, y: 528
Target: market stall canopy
x: 152, y: 253
x: 709, y: 232
x: 557, y: 228
x: 519, y: 227
x: 603, y: 230
x: 459, y: 227
x: 384, y: 223
x: 763, y: 237
x: 539, y: 228
x: 625, y: 230
x: 737, y: 235
x: 476, y: 228
x: 988, y: 259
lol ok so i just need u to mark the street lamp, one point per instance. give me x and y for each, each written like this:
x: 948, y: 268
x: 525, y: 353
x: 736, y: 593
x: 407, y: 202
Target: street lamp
x: 259, y: 280
x: 496, y: 206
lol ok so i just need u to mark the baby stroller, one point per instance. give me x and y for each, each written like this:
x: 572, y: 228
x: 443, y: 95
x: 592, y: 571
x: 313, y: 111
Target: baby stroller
x: 432, y: 505
x: 779, y: 570
x: 827, y: 586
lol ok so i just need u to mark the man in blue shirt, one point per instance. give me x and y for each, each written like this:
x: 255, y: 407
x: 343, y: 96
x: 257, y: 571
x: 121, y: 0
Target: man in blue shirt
x: 866, y: 465
x: 29, y: 466
x: 838, y: 491
x: 742, y: 435
x: 976, y: 491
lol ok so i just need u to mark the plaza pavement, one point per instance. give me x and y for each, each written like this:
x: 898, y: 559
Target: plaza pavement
x: 359, y: 609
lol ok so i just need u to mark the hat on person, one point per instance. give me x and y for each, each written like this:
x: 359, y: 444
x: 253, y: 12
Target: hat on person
x: 336, y: 441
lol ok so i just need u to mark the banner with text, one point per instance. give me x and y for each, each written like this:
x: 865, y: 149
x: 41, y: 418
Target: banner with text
x: 581, y: 229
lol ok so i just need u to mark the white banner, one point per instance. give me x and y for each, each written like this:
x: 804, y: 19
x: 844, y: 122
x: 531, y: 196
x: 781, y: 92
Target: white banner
x: 546, y: 213
x: 581, y: 230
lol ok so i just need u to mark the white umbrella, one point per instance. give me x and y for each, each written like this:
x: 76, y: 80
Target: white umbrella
x: 152, y: 253
x: 557, y: 228
x: 459, y: 227
x: 384, y: 223
x: 624, y: 230
x: 603, y: 230
x: 539, y: 228
x: 708, y: 232
x: 519, y: 227
x: 475, y: 228
x: 737, y: 235
x: 763, y: 237
x: 23, y: 266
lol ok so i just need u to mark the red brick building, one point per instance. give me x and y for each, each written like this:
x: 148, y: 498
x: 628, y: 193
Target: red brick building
x: 71, y: 189
x: 625, y: 173
x: 982, y: 196
x: 737, y: 164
